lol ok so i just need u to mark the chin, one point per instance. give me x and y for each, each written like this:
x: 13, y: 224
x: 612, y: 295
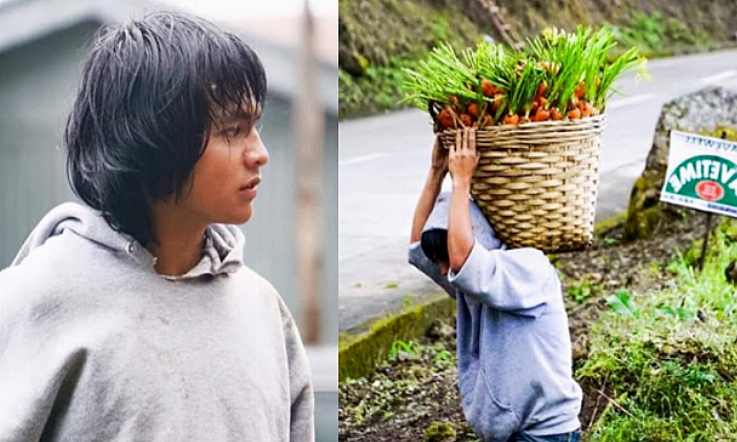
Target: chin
x: 239, y: 215
x: 243, y: 216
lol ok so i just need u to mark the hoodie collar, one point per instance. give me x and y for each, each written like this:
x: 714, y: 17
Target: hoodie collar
x: 222, y: 252
x: 222, y: 249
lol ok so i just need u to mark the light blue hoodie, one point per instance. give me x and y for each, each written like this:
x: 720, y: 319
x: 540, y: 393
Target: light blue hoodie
x: 514, y: 349
x: 96, y: 346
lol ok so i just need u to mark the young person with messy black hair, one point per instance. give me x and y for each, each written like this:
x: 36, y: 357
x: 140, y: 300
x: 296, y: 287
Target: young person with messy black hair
x: 132, y: 317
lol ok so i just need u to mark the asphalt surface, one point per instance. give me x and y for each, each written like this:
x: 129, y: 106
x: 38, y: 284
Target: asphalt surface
x: 383, y: 163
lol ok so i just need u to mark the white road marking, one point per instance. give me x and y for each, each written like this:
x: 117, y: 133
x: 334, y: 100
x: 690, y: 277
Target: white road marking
x: 362, y: 159
x: 719, y: 77
x: 630, y: 100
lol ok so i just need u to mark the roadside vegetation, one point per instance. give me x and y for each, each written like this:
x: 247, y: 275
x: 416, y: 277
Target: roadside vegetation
x: 663, y: 365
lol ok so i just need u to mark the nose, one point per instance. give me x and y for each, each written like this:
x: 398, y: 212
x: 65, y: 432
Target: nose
x: 257, y: 155
x: 262, y: 155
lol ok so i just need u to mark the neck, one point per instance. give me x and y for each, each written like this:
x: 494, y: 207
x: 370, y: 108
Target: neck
x: 178, y: 239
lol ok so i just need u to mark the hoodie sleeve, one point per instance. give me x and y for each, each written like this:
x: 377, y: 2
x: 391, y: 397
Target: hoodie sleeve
x: 418, y: 259
x: 302, y: 422
x: 517, y: 281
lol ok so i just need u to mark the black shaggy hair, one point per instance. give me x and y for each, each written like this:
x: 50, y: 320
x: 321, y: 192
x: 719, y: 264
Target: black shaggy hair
x: 151, y: 92
x: 434, y: 245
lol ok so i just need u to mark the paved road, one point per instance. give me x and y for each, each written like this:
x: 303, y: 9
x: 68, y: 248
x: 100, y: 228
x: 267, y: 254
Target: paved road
x: 383, y: 162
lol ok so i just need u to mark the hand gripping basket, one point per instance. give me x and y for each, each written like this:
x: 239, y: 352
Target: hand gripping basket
x: 537, y: 183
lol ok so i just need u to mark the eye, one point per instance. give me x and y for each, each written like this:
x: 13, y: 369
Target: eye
x: 233, y: 132
x: 258, y: 123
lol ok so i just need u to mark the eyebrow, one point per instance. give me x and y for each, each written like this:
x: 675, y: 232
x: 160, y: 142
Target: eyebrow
x: 242, y: 116
x: 236, y: 119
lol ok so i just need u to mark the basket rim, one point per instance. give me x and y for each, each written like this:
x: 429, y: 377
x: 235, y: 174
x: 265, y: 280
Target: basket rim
x: 582, y: 123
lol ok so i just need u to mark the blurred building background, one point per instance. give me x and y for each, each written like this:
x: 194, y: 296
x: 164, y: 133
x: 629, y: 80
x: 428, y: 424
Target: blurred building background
x: 42, y: 44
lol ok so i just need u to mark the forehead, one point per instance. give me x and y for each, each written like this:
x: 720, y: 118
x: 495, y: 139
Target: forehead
x: 225, y: 109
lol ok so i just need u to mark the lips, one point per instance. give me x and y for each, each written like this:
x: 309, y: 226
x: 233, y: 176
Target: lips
x: 249, y: 189
x: 251, y: 185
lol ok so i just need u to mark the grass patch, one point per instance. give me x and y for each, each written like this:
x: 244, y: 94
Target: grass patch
x: 665, y: 363
x: 380, y: 89
x: 583, y: 290
x: 655, y: 34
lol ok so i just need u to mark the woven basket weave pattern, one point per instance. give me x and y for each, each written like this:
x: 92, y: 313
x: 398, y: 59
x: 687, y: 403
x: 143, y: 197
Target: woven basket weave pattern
x: 537, y: 183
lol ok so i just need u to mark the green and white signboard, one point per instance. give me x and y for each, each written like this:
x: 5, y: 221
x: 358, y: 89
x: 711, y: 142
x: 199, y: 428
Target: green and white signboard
x: 702, y: 173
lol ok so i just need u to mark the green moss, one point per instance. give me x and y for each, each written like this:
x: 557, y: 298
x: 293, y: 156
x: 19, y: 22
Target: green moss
x: 603, y: 227
x: 643, y: 223
x: 345, y: 339
x: 439, y: 432
x: 382, y: 29
x: 645, y: 213
x: 729, y: 132
x: 359, y: 356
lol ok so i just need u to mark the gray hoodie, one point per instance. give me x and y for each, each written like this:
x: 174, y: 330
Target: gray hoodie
x: 96, y: 346
x: 514, y: 349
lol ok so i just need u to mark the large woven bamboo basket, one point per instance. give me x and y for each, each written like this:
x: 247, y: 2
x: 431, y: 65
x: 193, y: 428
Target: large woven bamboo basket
x: 537, y: 183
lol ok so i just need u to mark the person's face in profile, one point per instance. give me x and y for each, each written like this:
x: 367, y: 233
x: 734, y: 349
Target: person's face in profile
x: 225, y: 180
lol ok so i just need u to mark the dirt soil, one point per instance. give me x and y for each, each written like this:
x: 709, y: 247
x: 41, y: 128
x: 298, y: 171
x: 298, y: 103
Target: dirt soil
x: 418, y: 389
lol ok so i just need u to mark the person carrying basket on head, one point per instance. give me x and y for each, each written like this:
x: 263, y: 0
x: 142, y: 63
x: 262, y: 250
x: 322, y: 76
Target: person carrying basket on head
x: 514, y: 349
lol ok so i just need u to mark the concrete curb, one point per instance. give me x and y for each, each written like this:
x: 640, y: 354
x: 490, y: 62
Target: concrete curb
x: 359, y: 355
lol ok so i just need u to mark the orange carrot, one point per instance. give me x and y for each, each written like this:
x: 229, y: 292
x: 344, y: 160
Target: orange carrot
x: 446, y: 121
x: 466, y: 120
x: 488, y: 88
x: 543, y: 101
x: 541, y: 89
x: 575, y: 114
x: 555, y: 114
x: 541, y: 115
x: 473, y: 110
x: 511, y: 119
x: 580, y: 90
x: 587, y: 110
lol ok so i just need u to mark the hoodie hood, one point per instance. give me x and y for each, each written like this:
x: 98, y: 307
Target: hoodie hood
x: 222, y: 251
x: 482, y: 230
